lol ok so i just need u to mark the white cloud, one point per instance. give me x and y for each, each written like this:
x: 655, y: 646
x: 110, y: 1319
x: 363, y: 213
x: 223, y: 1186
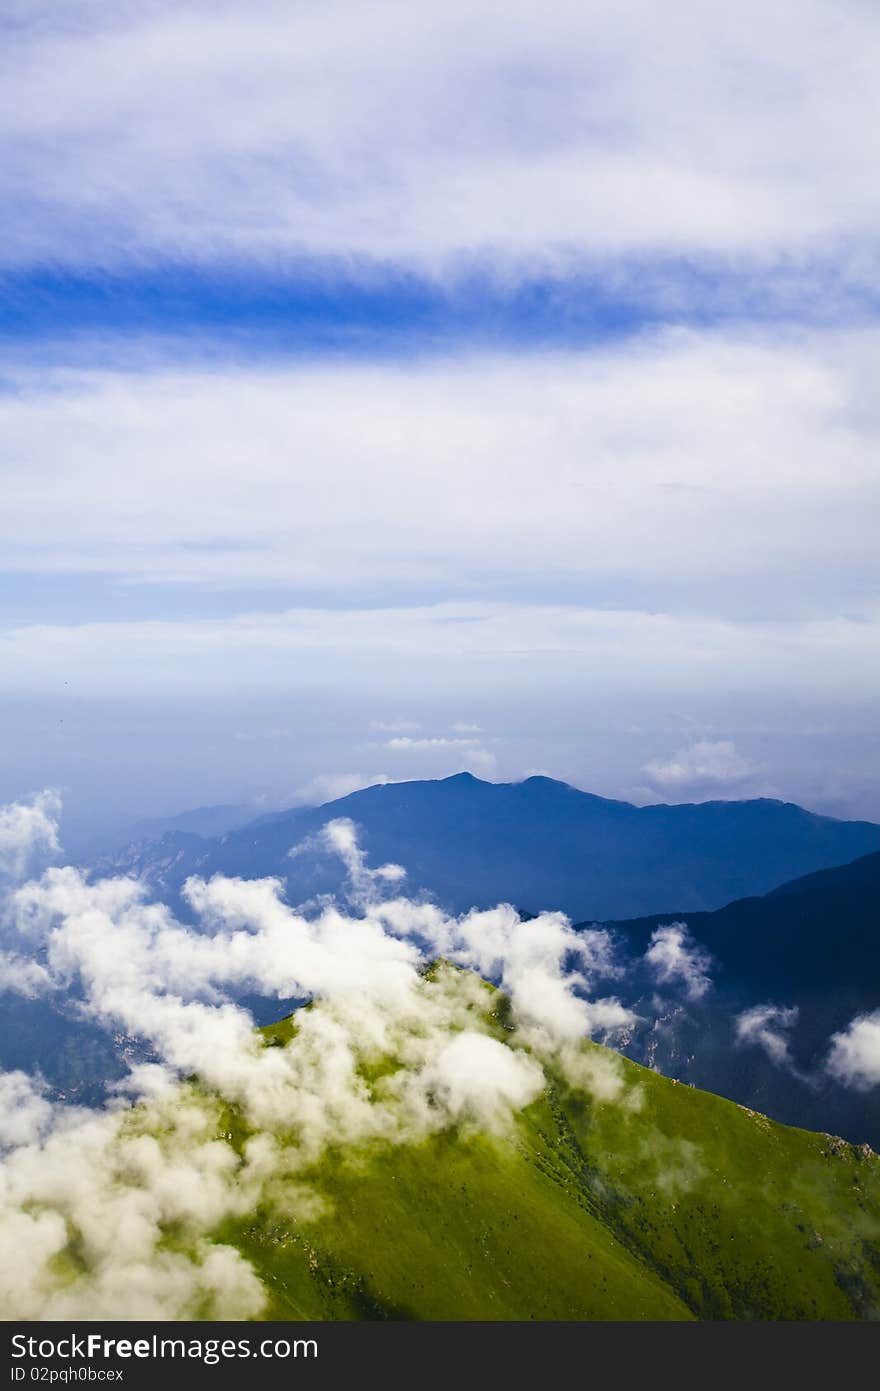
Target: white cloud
x: 736, y: 593
x: 405, y: 744
x: 28, y: 829
x: 21, y: 976
x: 677, y: 1163
x: 658, y: 471
x: 480, y: 759
x: 452, y: 648
x: 115, y: 1191
x: 478, y: 1078
x: 733, y: 595
x: 340, y: 837
x: 141, y: 969
x: 674, y: 957
x: 706, y: 769
x: 543, y: 963
x: 767, y: 1027
x: 467, y: 750
x: 214, y: 131
x: 854, y: 1058
x: 25, y: 1113
x: 329, y: 787
x: 395, y: 726
x: 116, y: 1185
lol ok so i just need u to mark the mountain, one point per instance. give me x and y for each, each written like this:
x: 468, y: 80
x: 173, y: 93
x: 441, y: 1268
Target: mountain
x: 51, y: 1037
x: 538, y: 844
x: 199, y: 821
x: 814, y: 940
x: 679, y: 1205
x: 812, y: 944
x: 385, y: 1183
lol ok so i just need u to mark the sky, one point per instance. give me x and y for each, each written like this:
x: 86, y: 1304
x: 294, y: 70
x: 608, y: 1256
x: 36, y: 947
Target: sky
x: 388, y: 390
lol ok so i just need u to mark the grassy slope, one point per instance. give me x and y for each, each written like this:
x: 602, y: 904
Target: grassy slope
x: 689, y: 1207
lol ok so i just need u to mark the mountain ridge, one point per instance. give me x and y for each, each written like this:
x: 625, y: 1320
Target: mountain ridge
x: 539, y: 843
x: 810, y: 947
x: 637, y: 1207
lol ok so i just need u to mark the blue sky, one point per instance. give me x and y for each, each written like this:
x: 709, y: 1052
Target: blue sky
x: 309, y: 307
x: 433, y: 366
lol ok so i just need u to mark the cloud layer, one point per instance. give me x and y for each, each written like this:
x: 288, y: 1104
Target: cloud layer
x: 115, y: 1214
x: 701, y: 473
x: 446, y: 650
x: 683, y: 521
x: 138, y: 1193
x: 707, y: 769
x: 28, y: 829
x: 611, y: 492
x: 205, y: 130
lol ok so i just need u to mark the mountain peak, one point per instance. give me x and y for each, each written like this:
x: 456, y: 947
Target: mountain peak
x: 541, y: 843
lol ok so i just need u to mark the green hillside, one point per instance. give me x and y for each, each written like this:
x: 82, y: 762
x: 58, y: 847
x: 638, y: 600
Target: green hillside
x: 668, y: 1204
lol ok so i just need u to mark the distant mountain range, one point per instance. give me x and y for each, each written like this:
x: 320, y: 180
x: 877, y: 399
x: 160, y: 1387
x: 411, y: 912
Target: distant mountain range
x: 814, y: 941
x: 538, y: 844
x: 199, y: 821
x: 786, y: 902
x: 811, y: 945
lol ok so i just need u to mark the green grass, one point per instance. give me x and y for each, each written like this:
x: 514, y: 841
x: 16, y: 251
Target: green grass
x: 684, y: 1207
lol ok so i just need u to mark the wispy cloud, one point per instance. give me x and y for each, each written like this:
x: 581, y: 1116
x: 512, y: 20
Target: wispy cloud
x: 404, y: 744
x: 625, y: 472
x: 676, y: 959
x: 451, y: 649
x: 213, y: 131
x: 328, y: 787
x: 854, y: 1057
x: 768, y: 1027
x: 116, y: 1184
x: 467, y: 750
x: 395, y: 726
x: 28, y: 829
x: 559, y: 325
x: 706, y: 769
